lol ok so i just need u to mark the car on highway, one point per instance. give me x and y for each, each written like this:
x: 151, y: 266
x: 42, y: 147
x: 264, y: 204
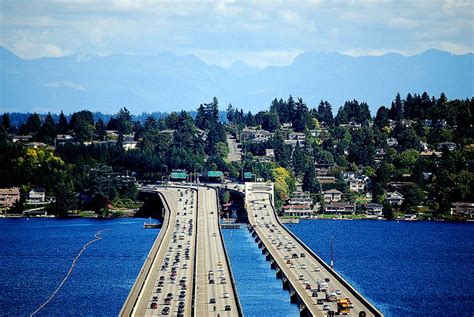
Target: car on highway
x: 227, y: 308
x: 212, y: 300
x: 326, y: 307
x: 338, y: 292
x: 226, y: 295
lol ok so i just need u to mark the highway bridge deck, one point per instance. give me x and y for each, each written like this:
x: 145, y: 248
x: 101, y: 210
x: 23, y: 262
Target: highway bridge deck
x: 175, y: 279
x: 299, y: 267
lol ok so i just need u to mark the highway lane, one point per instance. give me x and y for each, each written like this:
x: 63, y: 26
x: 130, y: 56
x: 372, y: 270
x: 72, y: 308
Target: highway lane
x: 302, y: 271
x: 211, y: 262
x: 171, y: 257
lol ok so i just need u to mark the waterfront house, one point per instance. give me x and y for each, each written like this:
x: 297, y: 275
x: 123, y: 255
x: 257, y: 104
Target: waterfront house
x: 36, y: 196
x: 464, y: 209
x: 340, y: 208
x: 374, y: 209
x: 394, y: 198
x: 8, y: 197
x: 332, y: 195
x: 297, y: 210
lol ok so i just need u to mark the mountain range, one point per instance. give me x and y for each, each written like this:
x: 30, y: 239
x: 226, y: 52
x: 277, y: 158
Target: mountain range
x: 168, y: 82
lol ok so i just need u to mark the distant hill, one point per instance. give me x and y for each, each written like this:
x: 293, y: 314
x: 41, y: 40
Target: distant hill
x: 168, y: 82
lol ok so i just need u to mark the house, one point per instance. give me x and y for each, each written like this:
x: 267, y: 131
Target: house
x: 316, y: 132
x: 392, y: 142
x: 394, y: 198
x: 256, y: 135
x: 323, y: 168
x: 352, y: 125
x: 332, y: 195
x: 374, y: 209
x: 270, y: 153
x: 297, y: 210
x: 347, y: 176
x: 36, y: 145
x: 300, y: 198
x: 340, y: 208
x: 111, y: 134
x: 424, y: 146
x: 298, y: 136
x: 36, y: 196
x: 20, y: 138
x: 8, y: 197
x: 430, y: 154
x: 450, y: 146
x: 129, y: 145
x: 326, y: 179
x: 63, y: 138
x: 464, y: 209
x: 356, y: 185
x: 286, y: 125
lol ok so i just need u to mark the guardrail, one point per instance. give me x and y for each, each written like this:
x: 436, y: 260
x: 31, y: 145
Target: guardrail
x: 355, y: 293
x: 137, y: 287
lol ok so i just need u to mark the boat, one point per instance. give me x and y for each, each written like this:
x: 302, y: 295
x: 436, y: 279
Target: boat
x: 151, y: 225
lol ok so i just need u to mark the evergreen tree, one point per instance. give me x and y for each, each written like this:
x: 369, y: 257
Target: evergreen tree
x: 381, y: 119
x: 62, y: 126
x: 47, y: 133
x: 299, y: 119
x: 396, y: 111
x: 230, y: 113
x: 32, y: 125
x: 298, y: 160
x: 6, y: 122
x: 310, y: 183
x: 325, y: 113
x: 124, y: 119
x: 100, y: 130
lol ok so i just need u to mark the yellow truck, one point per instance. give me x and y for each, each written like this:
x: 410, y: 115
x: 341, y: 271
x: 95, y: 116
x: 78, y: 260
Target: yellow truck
x: 343, y: 306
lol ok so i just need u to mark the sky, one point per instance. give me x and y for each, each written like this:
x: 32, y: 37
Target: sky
x: 259, y: 33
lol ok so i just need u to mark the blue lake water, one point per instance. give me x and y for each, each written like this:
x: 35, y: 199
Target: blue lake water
x: 36, y: 254
x: 405, y: 269
x: 260, y: 293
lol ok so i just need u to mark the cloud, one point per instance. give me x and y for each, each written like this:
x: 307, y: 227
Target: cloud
x: 66, y: 84
x: 223, y: 27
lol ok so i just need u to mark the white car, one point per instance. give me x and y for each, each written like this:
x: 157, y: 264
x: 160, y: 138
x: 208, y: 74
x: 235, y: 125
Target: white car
x: 338, y: 292
x: 226, y: 295
x: 326, y: 307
